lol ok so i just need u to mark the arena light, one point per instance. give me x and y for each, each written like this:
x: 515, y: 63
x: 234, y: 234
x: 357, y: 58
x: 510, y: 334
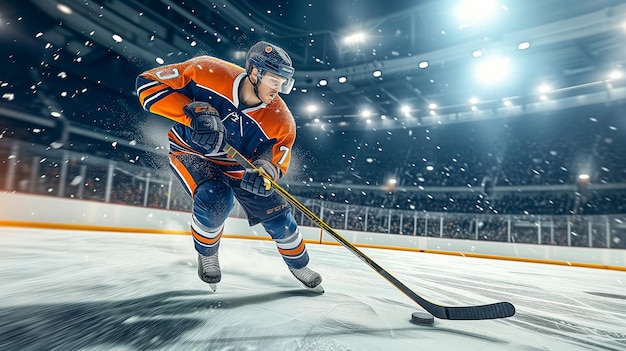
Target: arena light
x: 544, y: 88
x: 377, y: 73
x: 432, y: 106
x: 473, y: 100
x: 423, y: 64
x: 616, y: 74
x: 473, y: 12
x: 493, y: 70
x: 366, y: 113
x: 355, y: 38
x: 523, y: 45
x: 323, y: 82
x: 312, y: 108
x: 342, y: 79
x: 583, y: 177
x: 406, y: 110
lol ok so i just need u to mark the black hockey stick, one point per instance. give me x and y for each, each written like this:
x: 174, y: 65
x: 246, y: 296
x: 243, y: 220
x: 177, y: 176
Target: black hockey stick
x: 491, y: 311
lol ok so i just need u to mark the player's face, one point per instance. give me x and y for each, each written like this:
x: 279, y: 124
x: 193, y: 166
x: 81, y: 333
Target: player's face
x: 270, y: 85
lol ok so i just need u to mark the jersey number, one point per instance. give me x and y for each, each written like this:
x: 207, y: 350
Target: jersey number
x: 167, y: 73
x: 285, y: 151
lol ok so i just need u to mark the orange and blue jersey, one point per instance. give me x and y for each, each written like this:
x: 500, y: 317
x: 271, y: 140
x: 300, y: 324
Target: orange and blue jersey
x: 267, y: 130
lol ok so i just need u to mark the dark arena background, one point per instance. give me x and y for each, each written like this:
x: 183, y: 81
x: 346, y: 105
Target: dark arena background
x: 474, y: 148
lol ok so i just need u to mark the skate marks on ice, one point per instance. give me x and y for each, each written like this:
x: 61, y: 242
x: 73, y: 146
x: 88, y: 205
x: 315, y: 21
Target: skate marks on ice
x: 140, y: 324
x: 553, y: 302
x: 595, y: 322
x: 151, y: 322
x: 106, y: 291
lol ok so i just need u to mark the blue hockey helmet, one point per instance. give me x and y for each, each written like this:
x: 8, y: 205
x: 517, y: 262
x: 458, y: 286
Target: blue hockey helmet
x: 268, y: 57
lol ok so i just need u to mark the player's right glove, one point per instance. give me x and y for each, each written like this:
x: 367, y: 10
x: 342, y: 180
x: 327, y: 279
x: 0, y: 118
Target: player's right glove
x: 208, y: 130
x: 255, y: 183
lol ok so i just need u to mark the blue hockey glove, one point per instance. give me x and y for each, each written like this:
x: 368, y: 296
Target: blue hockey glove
x: 208, y: 129
x: 253, y: 182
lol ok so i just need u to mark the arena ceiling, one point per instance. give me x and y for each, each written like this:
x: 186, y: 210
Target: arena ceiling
x: 409, y: 62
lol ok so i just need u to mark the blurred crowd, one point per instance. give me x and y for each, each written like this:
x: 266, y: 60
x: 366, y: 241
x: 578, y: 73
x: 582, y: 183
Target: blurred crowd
x: 547, y: 202
x: 491, y: 180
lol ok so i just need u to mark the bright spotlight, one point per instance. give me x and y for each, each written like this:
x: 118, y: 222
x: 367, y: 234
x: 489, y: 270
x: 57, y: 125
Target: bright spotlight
x: 377, y: 73
x: 583, y: 176
x: 366, y: 113
x: 405, y: 109
x: 355, y: 38
x: 473, y: 100
x: 472, y: 12
x: 507, y: 103
x: 311, y: 108
x: 477, y: 53
x: 616, y: 74
x: 432, y: 106
x: 523, y: 46
x: 342, y: 79
x: 493, y: 70
x: 544, y: 88
x: 423, y: 64
x: 323, y: 82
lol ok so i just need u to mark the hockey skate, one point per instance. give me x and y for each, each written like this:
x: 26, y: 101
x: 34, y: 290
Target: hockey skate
x: 209, y: 270
x: 308, y: 277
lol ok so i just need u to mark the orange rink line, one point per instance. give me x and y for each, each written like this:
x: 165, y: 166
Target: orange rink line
x: 65, y: 226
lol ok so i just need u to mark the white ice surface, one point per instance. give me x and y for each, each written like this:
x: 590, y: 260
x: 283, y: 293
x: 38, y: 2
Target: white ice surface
x: 73, y: 290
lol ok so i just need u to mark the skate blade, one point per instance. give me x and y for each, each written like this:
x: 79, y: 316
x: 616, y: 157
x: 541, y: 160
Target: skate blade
x: 318, y: 289
x: 213, y: 286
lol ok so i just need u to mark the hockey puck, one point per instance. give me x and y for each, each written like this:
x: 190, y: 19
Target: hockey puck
x: 422, y: 318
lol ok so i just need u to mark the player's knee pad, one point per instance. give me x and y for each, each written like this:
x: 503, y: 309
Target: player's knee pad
x: 212, y: 202
x: 281, y: 226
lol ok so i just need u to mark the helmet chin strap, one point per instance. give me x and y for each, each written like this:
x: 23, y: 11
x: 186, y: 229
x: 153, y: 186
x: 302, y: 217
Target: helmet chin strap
x: 255, y: 86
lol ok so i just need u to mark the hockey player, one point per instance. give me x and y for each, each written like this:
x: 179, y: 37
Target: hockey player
x: 213, y: 102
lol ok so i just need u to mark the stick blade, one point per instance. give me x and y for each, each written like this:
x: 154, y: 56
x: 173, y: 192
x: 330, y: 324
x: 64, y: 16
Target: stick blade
x: 492, y: 311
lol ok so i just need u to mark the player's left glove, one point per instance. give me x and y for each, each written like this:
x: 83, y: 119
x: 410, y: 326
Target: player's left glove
x: 255, y: 183
x: 208, y: 130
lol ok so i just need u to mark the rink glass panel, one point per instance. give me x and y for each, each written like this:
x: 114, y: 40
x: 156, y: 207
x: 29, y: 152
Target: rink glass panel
x: 29, y: 168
